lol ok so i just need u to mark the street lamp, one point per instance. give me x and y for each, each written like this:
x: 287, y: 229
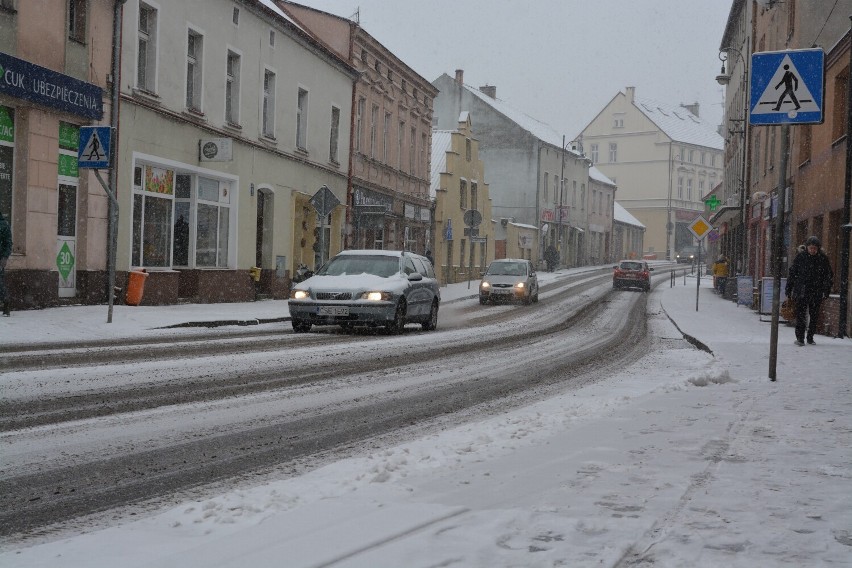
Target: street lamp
x: 724, y: 79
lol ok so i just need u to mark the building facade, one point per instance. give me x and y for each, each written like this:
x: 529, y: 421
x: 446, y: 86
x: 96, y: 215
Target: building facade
x: 537, y: 178
x: 57, y: 66
x: 388, y: 197
x: 601, y: 214
x: 463, y: 234
x: 232, y: 118
x: 627, y: 235
x: 664, y: 159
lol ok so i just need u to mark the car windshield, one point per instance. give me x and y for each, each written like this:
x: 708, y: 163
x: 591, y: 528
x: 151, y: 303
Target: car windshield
x: 507, y: 269
x: 384, y: 266
x: 631, y: 266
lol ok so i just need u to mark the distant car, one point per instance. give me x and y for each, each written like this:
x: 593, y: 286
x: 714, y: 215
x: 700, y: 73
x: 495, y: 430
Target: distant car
x: 368, y: 288
x: 632, y: 274
x: 509, y: 279
x: 687, y: 254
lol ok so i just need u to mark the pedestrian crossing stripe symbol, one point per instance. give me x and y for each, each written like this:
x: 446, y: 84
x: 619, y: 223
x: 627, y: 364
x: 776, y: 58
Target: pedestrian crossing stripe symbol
x: 94, y: 147
x: 787, y: 87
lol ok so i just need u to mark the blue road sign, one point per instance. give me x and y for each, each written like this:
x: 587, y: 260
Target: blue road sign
x: 787, y: 87
x: 94, y: 147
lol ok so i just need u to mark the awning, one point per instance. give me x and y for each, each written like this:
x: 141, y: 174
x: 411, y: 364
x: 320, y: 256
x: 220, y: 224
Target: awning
x: 725, y: 214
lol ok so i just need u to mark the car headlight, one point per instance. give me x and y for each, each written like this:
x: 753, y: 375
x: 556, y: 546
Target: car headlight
x: 519, y: 285
x: 299, y: 295
x: 485, y: 285
x: 377, y: 296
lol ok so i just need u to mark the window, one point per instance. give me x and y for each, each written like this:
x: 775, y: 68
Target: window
x: 474, y: 200
x: 691, y: 156
x: 582, y: 197
x: 232, y: 89
x: 574, y: 194
x: 680, y: 187
x: 463, y: 194
x: 359, y: 122
x: 703, y: 157
x: 334, y: 137
x: 701, y: 190
x: 423, y: 146
x: 400, y: 144
x: 618, y: 122
x: 546, y: 189
x: 269, y: 104
x: 594, y: 199
x: 302, y: 120
x: 77, y: 20
x: 235, y: 16
x: 374, y: 125
x: 468, y: 149
x: 212, y: 224
x: 411, y: 150
x: 807, y: 142
x: 613, y: 152
x: 689, y: 189
x: 838, y: 113
x: 146, y: 62
x: 555, y: 187
x: 194, y: 46
x: 386, y: 136
x: 7, y: 154
x: 271, y: 38
x: 594, y: 152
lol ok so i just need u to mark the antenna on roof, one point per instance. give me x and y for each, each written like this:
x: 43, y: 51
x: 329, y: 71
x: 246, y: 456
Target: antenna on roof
x: 356, y: 16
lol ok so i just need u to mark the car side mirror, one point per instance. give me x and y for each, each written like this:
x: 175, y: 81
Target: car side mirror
x: 415, y: 277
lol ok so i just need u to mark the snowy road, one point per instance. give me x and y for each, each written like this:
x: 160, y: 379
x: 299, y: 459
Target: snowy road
x: 89, y: 437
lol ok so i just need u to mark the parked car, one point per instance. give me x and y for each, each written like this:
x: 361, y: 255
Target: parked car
x: 632, y: 274
x: 687, y: 254
x: 368, y: 288
x: 509, y: 279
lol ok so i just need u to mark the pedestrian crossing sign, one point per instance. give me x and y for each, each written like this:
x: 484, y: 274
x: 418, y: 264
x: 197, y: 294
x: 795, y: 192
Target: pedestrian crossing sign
x: 787, y: 87
x: 94, y: 148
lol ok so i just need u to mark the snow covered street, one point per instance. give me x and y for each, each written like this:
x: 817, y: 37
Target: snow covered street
x: 684, y: 458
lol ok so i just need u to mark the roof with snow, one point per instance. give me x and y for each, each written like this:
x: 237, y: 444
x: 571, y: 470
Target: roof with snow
x: 621, y: 215
x: 540, y: 130
x: 679, y: 124
x: 598, y: 175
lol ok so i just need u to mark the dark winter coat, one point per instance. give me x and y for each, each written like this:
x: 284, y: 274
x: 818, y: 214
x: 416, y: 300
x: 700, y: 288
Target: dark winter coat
x: 810, y: 277
x: 5, y: 238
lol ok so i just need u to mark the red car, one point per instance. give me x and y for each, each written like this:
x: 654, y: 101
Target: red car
x: 632, y: 274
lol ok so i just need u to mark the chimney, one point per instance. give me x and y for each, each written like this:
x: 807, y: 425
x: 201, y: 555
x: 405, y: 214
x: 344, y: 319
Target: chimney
x: 490, y: 90
x: 693, y: 108
x: 631, y: 91
x: 460, y: 77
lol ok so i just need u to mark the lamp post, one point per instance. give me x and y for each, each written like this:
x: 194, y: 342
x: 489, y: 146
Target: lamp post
x: 723, y: 79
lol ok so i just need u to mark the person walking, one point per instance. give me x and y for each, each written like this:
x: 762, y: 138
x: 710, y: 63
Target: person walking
x: 5, y: 253
x: 720, y: 273
x: 808, y: 282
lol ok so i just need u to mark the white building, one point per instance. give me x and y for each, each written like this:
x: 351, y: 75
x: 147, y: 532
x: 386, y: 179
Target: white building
x: 664, y: 158
x: 231, y: 118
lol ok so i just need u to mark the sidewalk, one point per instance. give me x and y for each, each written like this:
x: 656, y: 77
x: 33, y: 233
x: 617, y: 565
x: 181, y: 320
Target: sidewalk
x: 685, y: 458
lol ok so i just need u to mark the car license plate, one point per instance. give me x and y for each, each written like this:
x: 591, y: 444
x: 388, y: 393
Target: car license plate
x: 501, y: 291
x: 333, y: 310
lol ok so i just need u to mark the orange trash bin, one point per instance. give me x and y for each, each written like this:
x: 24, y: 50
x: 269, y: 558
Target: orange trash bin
x: 135, y: 287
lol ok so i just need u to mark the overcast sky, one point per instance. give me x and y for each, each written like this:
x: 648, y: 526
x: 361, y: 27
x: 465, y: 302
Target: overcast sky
x: 559, y: 61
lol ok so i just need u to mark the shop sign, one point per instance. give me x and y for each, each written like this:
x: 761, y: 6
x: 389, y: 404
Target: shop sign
x: 24, y: 80
x: 7, y: 125
x: 548, y: 216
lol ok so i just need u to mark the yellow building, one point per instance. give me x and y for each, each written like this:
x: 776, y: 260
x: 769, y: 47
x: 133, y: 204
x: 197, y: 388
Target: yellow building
x: 462, y: 241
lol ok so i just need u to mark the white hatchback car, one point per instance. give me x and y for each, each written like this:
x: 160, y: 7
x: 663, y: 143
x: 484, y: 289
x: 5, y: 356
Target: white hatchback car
x: 509, y: 279
x: 368, y: 288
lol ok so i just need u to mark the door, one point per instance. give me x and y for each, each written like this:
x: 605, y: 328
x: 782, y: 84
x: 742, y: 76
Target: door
x: 66, y: 240
x: 263, y: 235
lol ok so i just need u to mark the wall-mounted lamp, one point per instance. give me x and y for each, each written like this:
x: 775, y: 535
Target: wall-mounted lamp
x: 251, y: 189
x: 723, y: 78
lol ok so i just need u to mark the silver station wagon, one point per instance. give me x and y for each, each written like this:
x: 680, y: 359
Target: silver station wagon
x: 368, y: 288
